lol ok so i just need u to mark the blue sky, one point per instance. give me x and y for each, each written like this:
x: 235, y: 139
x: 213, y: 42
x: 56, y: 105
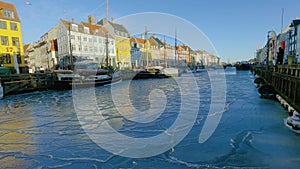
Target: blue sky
x: 234, y: 27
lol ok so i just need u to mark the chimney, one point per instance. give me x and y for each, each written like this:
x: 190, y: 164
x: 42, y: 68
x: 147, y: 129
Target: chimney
x: 143, y: 37
x: 105, y: 22
x: 73, y: 20
x: 154, y: 35
x: 112, y: 19
x: 91, y: 19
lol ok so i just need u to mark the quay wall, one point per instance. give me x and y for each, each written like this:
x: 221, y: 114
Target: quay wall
x: 24, y: 83
x: 285, y: 79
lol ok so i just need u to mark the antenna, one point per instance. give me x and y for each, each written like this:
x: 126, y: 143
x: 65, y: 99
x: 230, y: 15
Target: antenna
x: 107, y: 9
x: 146, y: 32
x: 282, y: 12
x: 65, y: 14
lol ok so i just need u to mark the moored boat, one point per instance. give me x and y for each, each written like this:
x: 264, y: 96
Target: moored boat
x: 157, y: 72
x: 293, y: 122
x: 84, y: 77
x: 230, y: 70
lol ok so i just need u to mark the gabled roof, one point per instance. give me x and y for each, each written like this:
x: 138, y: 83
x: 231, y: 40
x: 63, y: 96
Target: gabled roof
x: 159, y: 42
x: 66, y: 23
x: 295, y: 23
x: 92, y: 28
x: 138, y: 40
x: 25, y: 46
x: 153, y: 43
x: 184, y: 47
x: 117, y: 27
x: 5, y: 5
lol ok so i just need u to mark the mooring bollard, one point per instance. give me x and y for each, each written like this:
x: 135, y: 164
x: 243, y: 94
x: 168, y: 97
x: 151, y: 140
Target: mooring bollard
x: 1, y: 90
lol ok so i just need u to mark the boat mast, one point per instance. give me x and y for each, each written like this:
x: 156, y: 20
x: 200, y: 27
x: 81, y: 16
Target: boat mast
x: 106, y: 35
x: 146, y: 33
x: 165, y: 65
x: 71, y: 50
x: 106, y: 45
x: 176, y: 48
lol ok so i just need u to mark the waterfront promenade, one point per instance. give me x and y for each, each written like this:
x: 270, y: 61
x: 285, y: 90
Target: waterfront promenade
x: 41, y: 129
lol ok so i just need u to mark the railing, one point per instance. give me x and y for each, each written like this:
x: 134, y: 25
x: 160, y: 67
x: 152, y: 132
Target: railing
x: 285, y: 79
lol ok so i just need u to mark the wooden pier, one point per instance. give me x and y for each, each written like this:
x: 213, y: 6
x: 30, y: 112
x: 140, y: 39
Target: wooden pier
x: 22, y: 83
x: 285, y: 79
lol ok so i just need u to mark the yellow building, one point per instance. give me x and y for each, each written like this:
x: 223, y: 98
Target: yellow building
x: 122, y: 39
x: 123, y: 51
x: 11, y: 48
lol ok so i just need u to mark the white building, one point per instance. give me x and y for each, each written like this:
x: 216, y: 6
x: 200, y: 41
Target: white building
x: 261, y: 54
x: 87, y: 40
x: 204, y: 58
x: 294, y: 40
x: 43, y: 54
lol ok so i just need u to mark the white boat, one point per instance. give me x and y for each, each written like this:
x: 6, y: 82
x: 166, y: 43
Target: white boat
x: 170, y: 72
x: 293, y: 123
x: 230, y: 70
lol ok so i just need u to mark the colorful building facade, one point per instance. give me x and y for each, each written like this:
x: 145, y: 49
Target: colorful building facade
x: 122, y: 39
x: 85, y: 41
x: 11, y: 48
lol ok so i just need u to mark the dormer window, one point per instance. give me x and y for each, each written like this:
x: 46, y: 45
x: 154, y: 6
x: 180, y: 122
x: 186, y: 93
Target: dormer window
x: 86, y: 30
x: 74, y: 27
x: 8, y: 13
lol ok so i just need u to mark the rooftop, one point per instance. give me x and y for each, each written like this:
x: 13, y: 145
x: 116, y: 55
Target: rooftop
x: 8, y: 11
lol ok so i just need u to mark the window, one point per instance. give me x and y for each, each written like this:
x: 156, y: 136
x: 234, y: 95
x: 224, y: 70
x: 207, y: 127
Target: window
x: 100, y: 40
x: 8, y: 13
x: 6, y: 58
x: 73, y: 37
x: 95, y: 39
x: 90, y: 40
x: 74, y: 27
x: 79, y: 38
x: 85, y: 48
x: 3, y: 25
x: 84, y: 39
x: 13, y: 26
x: 91, y: 49
x: 4, y: 40
x: 95, y: 49
x: 73, y: 48
x: 15, y: 41
x: 86, y: 30
x: 79, y: 47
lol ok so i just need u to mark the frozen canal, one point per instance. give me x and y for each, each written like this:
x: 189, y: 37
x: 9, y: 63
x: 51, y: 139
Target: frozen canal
x: 41, y: 130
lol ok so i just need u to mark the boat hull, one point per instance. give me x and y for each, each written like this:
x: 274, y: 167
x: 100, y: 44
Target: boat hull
x: 293, y: 124
x: 77, y: 84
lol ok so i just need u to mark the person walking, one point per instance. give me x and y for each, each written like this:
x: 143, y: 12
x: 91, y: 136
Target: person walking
x: 280, y: 54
